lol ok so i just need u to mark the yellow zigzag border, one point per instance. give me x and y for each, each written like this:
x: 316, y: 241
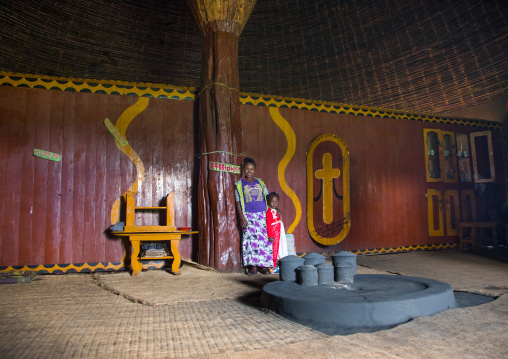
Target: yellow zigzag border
x: 71, y: 267
x: 82, y: 267
x: 96, y: 86
x: 190, y: 93
x: 424, y: 247
x: 153, y: 264
x: 329, y: 107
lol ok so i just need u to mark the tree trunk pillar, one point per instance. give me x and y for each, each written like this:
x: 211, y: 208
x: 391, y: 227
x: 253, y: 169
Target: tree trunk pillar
x: 220, y: 133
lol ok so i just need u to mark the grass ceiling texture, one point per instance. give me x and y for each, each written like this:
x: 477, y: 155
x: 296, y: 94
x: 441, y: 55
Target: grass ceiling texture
x: 424, y: 56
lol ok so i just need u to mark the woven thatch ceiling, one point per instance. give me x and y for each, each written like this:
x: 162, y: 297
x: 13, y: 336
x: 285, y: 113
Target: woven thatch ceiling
x: 433, y: 56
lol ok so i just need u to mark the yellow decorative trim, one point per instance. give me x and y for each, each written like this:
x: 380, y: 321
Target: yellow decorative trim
x: 291, y: 140
x: 346, y: 202
x: 338, y: 108
x: 97, y: 86
x: 424, y: 247
x: 190, y: 93
x: 64, y: 268
x: 83, y: 267
x: 121, y: 125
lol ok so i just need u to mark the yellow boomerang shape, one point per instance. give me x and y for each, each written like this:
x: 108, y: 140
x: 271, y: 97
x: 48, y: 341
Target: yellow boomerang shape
x: 121, y: 125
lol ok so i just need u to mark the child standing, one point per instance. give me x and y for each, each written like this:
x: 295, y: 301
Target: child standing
x: 275, y: 229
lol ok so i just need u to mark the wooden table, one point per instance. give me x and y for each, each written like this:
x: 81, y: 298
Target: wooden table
x: 137, y: 237
x: 463, y: 238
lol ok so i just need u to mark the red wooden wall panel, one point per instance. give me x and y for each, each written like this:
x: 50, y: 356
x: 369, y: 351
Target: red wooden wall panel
x: 388, y: 185
x: 117, y: 168
x: 42, y: 105
x: 67, y: 163
x: 79, y: 179
x: 352, y: 132
x: 59, y: 212
x: 90, y: 112
x: 54, y: 184
x: 13, y: 129
x: 102, y: 212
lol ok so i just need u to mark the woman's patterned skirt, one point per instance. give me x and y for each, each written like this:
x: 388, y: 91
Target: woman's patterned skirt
x: 257, y: 250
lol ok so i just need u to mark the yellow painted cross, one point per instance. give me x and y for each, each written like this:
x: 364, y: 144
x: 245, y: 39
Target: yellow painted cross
x: 327, y: 174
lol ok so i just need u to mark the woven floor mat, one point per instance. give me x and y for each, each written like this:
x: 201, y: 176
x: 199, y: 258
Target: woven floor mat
x: 464, y: 271
x: 158, y: 287
x: 71, y: 317
x: 465, y: 333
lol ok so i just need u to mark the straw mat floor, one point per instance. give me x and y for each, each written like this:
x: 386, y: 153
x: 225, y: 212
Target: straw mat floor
x: 196, y: 283
x: 71, y: 317
x: 204, y: 314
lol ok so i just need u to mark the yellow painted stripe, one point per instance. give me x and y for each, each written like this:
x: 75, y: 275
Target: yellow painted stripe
x: 121, y: 125
x: 291, y: 140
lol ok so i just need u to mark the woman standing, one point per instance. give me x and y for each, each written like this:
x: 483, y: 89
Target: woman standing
x: 250, y: 194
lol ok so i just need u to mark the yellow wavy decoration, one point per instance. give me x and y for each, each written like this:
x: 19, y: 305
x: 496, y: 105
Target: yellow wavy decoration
x: 189, y: 93
x: 332, y: 107
x: 405, y: 249
x: 78, y: 267
x: 291, y: 139
x: 425, y: 247
x: 110, y: 266
x: 121, y: 125
x: 97, y: 86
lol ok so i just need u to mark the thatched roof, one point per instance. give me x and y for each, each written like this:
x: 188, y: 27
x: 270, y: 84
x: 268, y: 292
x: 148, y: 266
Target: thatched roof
x: 428, y: 56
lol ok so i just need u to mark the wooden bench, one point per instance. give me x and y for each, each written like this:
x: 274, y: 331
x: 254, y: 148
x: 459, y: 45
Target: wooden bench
x: 138, y: 234
x: 471, y: 236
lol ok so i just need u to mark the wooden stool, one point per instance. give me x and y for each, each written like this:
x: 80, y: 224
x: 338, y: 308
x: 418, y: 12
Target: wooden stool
x: 464, y: 238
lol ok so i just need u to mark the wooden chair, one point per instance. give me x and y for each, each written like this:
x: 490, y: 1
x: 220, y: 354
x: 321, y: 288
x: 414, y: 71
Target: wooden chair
x: 131, y: 209
x: 138, y: 234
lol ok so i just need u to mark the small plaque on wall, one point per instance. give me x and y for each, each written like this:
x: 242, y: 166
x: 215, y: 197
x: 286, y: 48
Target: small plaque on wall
x: 224, y: 167
x: 116, y: 134
x: 47, y: 155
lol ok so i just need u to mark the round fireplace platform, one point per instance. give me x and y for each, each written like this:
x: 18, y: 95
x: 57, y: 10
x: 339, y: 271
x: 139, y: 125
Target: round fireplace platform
x: 372, y: 302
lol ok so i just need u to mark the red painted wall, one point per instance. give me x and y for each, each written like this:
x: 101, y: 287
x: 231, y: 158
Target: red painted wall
x: 388, y: 181
x: 58, y: 212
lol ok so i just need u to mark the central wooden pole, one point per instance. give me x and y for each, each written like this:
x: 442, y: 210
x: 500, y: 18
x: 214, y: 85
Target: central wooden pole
x: 220, y: 23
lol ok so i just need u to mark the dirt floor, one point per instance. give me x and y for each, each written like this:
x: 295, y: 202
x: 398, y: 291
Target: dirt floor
x: 205, y: 314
